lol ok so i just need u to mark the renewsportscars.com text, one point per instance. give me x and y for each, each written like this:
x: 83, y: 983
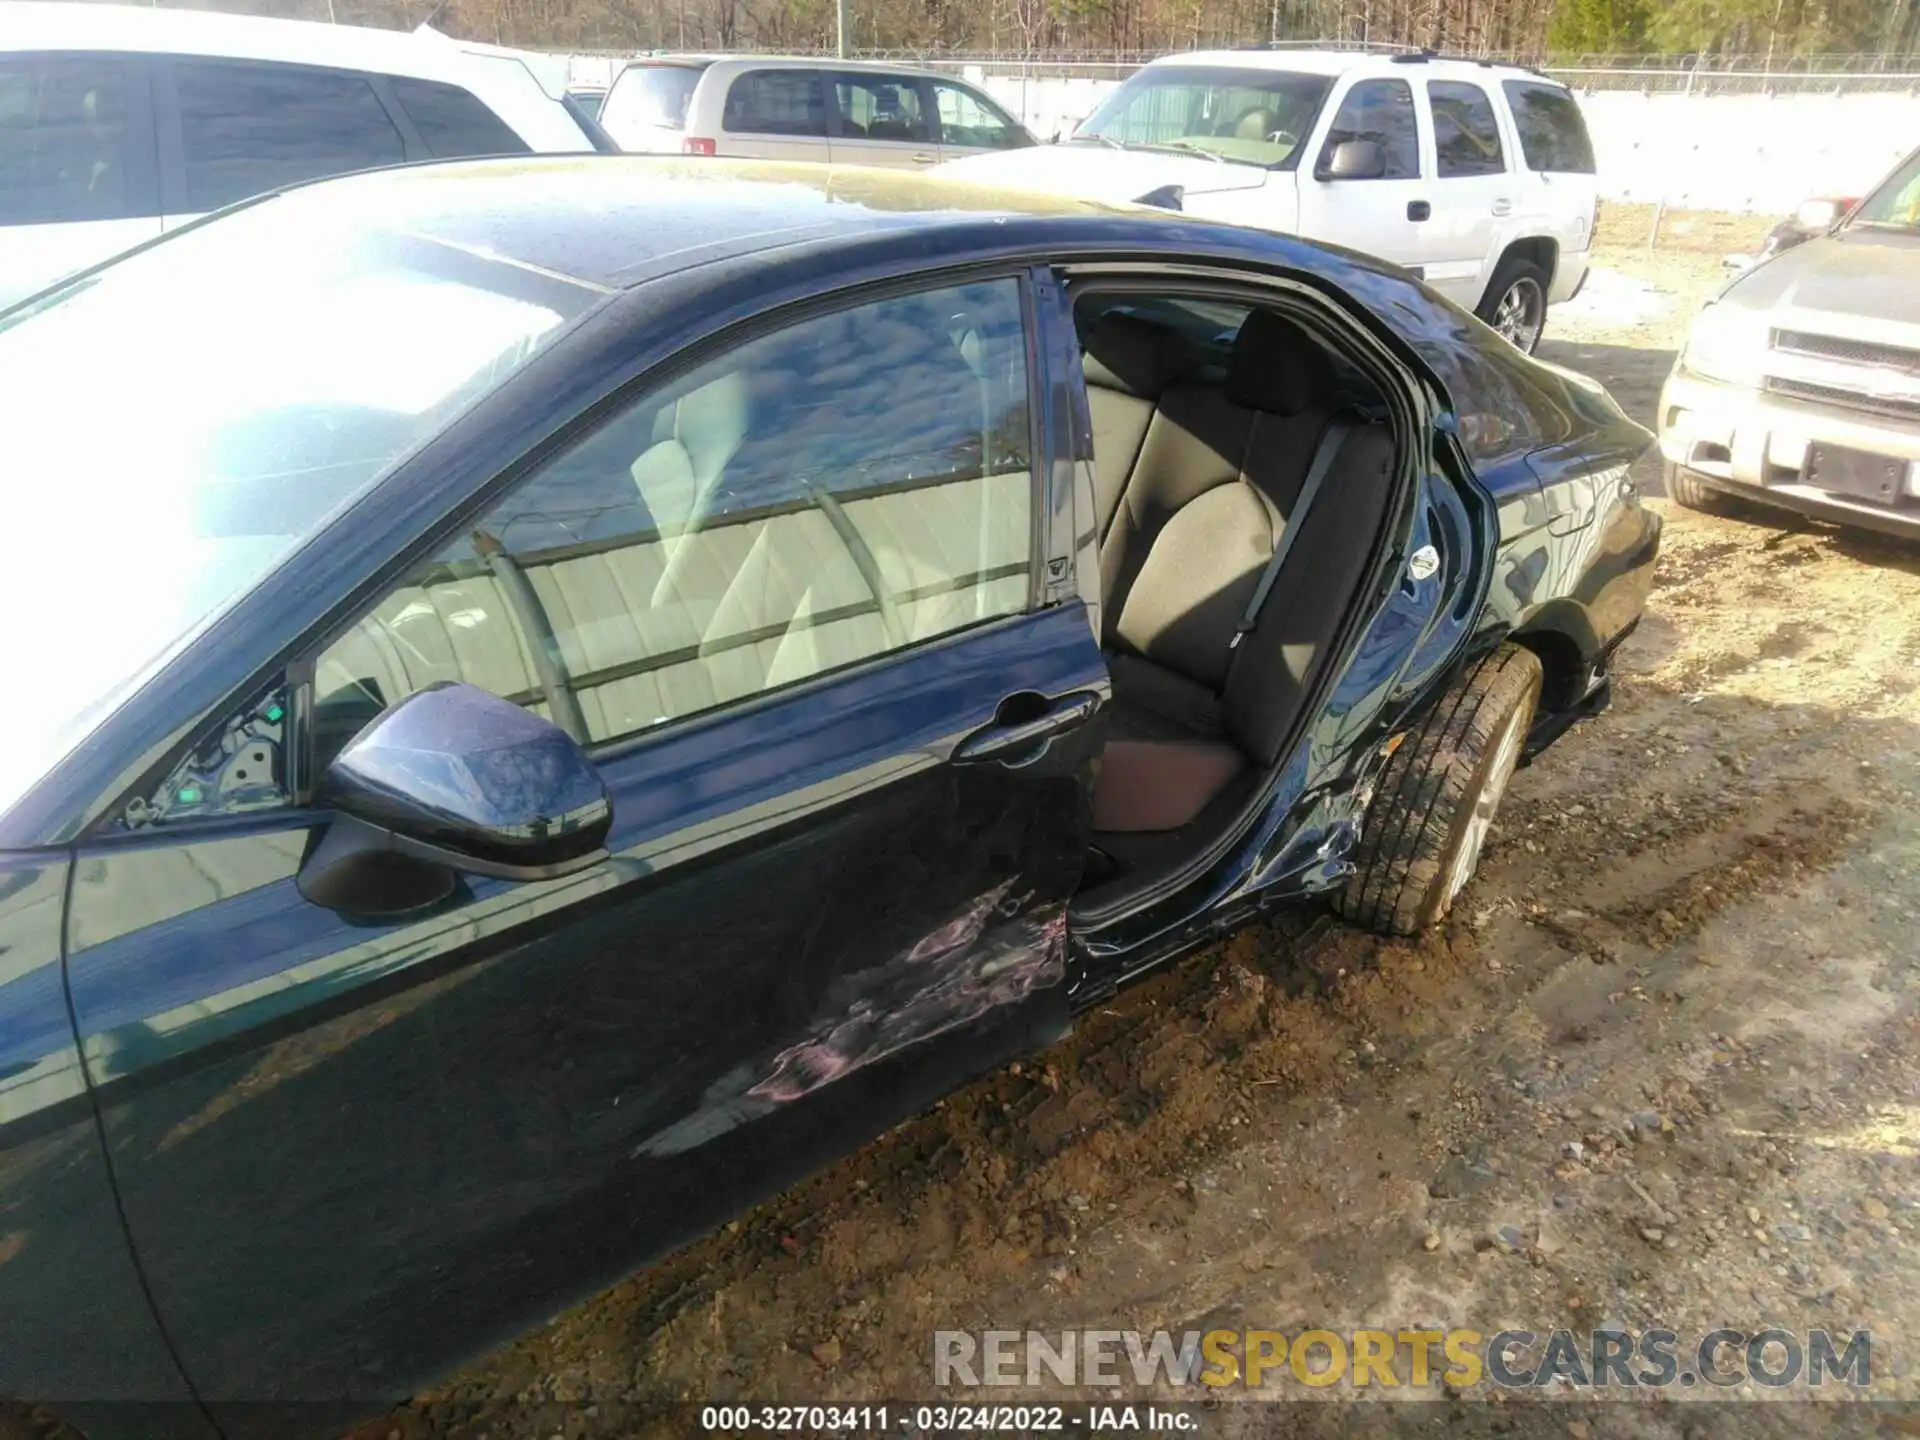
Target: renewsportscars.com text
x: 1418, y: 1358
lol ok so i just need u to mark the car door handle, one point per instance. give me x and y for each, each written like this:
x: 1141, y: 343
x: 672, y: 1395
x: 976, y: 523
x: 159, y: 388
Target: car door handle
x: 1418, y: 210
x: 1031, y: 720
x: 1503, y: 207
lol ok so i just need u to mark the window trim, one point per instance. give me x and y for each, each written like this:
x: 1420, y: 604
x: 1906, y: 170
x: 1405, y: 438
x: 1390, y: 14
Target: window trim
x: 139, y: 152
x: 299, y: 668
x: 1499, y: 131
x: 171, y: 131
x: 819, y: 78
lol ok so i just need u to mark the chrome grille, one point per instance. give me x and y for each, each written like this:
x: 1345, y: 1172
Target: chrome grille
x: 1846, y: 399
x: 1837, y: 347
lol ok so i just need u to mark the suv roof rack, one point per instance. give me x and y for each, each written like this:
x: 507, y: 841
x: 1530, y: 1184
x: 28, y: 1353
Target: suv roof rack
x: 1417, y: 57
x: 1362, y: 47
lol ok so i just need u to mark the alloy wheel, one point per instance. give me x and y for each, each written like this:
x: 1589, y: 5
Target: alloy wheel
x: 1521, y: 314
x: 1506, y: 759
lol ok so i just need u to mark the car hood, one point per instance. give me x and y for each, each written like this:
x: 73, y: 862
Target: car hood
x: 1858, y: 273
x: 1097, y: 172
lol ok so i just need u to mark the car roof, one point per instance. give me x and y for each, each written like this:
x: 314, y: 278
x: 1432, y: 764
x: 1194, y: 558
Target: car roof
x: 52, y: 25
x: 1330, y: 61
x: 787, y: 62
x: 616, y: 221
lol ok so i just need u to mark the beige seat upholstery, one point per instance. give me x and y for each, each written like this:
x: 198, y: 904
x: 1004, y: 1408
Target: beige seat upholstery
x: 1210, y: 496
x: 1127, y: 363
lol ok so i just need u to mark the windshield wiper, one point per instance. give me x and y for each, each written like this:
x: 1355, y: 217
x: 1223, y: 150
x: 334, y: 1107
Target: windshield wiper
x: 1192, y: 149
x: 1096, y: 135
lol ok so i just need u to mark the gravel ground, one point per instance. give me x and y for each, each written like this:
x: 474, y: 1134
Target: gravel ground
x: 1662, y: 1066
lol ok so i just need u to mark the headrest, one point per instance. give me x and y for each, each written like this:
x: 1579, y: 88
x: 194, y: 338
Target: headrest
x: 1277, y: 366
x: 1127, y: 353
x: 711, y: 422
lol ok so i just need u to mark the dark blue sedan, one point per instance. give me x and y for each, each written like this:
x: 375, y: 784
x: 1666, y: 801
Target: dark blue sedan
x: 550, y: 698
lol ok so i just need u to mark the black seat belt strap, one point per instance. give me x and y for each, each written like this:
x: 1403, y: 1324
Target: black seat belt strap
x: 1330, y: 442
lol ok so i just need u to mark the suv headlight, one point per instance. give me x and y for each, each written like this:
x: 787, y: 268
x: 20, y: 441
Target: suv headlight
x: 1727, y: 343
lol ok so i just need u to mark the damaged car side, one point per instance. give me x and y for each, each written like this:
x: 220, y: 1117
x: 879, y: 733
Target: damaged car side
x: 646, y: 673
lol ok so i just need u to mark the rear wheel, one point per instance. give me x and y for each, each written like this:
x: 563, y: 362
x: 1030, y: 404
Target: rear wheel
x: 1515, y: 304
x: 1438, y: 795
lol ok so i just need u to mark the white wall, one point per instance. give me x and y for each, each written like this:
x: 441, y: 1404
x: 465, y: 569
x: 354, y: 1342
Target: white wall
x: 1762, y: 153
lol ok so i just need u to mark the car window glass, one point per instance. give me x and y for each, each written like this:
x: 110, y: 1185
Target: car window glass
x: 1380, y: 111
x: 1896, y: 200
x: 849, y: 485
x: 651, y: 95
x: 966, y: 119
x: 63, y: 139
x: 454, y: 121
x: 1553, y: 136
x: 881, y: 107
x: 248, y: 128
x: 777, y: 102
x: 1466, y: 133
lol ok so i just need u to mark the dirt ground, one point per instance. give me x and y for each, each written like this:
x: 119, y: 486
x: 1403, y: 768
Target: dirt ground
x: 1662, y: 1067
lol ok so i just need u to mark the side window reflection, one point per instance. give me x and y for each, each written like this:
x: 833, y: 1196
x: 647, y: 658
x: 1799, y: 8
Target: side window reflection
x: 856, y: 483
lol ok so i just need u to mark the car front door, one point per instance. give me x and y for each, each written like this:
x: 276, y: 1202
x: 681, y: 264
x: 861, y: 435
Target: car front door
x: 882, y: 119
x: 790, y: 601
x: 1474, y: 192
x: 1384, y: 214
x: 77, y: 179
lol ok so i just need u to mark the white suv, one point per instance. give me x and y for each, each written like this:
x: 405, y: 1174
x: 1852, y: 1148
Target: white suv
x: 1477, y: 177
x: 765, y: 107
x: 119, y: 123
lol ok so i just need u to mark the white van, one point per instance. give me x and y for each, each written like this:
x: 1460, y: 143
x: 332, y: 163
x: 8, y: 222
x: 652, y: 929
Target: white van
x: 768, y: 107
x: 118, y: 123
x: 1477, y: 177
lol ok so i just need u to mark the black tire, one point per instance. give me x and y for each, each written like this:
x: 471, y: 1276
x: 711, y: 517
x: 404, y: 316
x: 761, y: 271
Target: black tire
x: 1516, y: 274
x: 1437, y: 796
x: 1683, y: 488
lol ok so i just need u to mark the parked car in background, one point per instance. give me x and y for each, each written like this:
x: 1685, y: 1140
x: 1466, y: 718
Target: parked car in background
x: 1799, y: 385
x: 117, y: 123
x: 1813, y: 217
x: 1478, y: 178
x: 589, y: 98
x: 648, y: 672
x: 775, y: 108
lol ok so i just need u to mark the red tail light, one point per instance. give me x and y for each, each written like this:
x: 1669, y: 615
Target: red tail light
x: 696, y: 145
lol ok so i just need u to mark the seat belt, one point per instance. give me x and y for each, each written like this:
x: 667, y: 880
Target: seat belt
x: 1331, y: 440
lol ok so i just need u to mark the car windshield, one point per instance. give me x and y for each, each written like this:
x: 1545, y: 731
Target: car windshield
x: 1255, y: 117
x: 182, y: 419
x: 1896, y: 204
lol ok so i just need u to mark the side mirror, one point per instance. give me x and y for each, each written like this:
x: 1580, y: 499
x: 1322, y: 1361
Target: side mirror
x: 452, y: 780
x: 1817, y: 214
x: 1355, y: 160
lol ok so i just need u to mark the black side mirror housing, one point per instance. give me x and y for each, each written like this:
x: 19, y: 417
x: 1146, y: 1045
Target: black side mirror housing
x: 1355, y: 160
x: 452, y: 780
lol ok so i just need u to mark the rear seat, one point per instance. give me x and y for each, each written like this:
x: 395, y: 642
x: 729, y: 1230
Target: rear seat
x: 1127, y: 362
x: 1215, y: 483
